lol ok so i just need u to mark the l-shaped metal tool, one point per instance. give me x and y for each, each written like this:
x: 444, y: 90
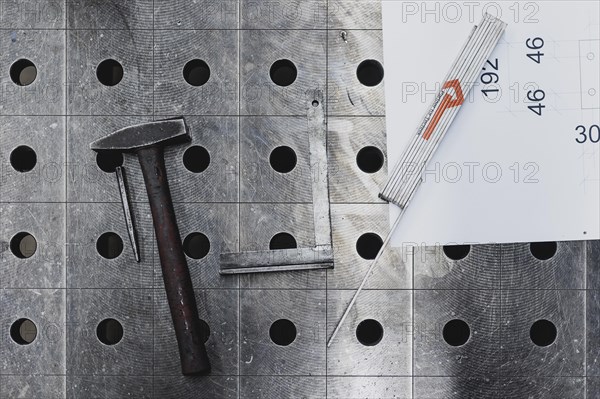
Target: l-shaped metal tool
x: 321, y: 255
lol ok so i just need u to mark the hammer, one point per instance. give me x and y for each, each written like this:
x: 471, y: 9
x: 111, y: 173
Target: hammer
x: 148, y: 141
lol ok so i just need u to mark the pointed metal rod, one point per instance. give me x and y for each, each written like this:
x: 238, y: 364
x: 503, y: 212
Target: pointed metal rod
x: 127, y: 212
x: 364, y: 281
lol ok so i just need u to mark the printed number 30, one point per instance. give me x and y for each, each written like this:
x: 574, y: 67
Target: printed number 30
x: 593, y: 134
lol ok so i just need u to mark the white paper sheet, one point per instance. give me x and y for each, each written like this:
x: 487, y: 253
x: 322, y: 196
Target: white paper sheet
x: 503, y: 173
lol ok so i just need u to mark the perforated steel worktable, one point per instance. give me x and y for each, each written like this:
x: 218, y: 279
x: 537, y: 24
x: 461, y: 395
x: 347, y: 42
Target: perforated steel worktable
x: 66, y: 202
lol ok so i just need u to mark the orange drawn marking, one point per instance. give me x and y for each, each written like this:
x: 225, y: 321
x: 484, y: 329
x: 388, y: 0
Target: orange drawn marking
x: 447, y: 102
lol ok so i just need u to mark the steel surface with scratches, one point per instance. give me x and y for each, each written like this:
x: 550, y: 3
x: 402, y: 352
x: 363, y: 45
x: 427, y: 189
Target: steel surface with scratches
x: 392, y: 344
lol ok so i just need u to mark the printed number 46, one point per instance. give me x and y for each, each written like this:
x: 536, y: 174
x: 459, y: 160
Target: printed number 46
x: 536, y: 95
x: 537, y: 43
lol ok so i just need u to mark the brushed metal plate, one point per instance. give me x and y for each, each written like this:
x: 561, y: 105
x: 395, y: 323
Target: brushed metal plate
x: 86, y: 355
x: 259, y: 355
x: 346, y: 95
x: 348, y: 356
x: 46, y: 181
x: 260, y: 49
x: 282, y: 387
x: 45, y: 268
x: 45, y: 355
x: 132, y: 49
x: 46, y: 94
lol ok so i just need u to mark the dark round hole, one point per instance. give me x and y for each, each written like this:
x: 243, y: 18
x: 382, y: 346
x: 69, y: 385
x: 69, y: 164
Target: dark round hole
x: 23, y: 159
x: 368, y: 245
x: 543, y: 250
x: 108, y: 161
x: 205, y: 330
x: 369, y: 332
x: 283, y: 72
x: 457, y: 252
x: 23, y: 331
x: 370, y: 159
x: 456, y: 332
x: 109, y: 245
x: 23, y: 72
x: 283, y: 159
x: 282, y: 332
x: 109, y: 72
x: 23, y: 245
x: 283, y: 241
x: 543, y: 333
x: 196, y: 245
x: 109, y: 332
x: 315, y: 103
x: 370, y: 73
x: 196, y: 72
x: 196, y: 159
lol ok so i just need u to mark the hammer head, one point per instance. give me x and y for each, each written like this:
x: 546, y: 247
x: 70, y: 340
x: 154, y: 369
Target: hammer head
x: 133, y: 138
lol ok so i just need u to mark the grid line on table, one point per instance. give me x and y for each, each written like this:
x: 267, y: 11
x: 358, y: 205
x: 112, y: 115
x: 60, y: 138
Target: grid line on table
x: 290, y: 375
x: 585, y: 343
x: 239, y: 243
x: 500, y: 308
x: 153, y: 251
x: 412, y: 312
x: 183, y: 29
x: 65, y: 174
x: 326, y: 98
x: 194, y: 115
x: 495, y: 290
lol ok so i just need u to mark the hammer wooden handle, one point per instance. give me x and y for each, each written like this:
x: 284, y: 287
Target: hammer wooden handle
x: 176, y: 275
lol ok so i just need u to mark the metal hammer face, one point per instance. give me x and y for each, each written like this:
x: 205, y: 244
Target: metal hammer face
x: 133, y: 138
x: 147, y: 141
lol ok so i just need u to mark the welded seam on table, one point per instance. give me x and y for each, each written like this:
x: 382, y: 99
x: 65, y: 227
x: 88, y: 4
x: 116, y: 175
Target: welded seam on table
x: 239, y: 206
x: 501, y: 321
x: 413, y: 328
x: 154, y: 296
x: 66, y: 196
x: 326, y: 111
x: 585, y: 313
